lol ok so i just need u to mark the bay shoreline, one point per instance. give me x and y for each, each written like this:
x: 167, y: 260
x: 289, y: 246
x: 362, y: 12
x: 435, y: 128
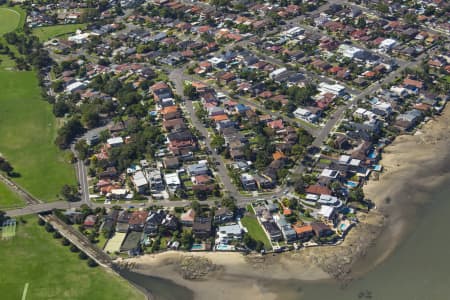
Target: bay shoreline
x: 413, y: 164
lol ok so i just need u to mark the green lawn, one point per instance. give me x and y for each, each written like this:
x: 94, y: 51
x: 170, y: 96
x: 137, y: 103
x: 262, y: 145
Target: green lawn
x: 255, y: 230
x: 9, y: 20
x: 52, y: 271
x: 9, y: 199
x: 49, y: 32
x: 27, y: 133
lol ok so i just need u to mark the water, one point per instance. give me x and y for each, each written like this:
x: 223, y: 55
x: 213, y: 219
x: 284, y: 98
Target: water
x: 160, y: 289
x: 418, y: 269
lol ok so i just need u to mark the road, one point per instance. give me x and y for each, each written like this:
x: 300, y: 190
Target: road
x: 80, y: 167
x: 178, y: 77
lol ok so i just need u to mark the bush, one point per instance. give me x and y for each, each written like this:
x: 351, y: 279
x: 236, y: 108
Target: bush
x: 65, y: 242
x: 57, y: 235
x: 49, y: 227
x: 91, y: 263
x: 74, y: 248
x: 82, y: 255
x: 41, y: 222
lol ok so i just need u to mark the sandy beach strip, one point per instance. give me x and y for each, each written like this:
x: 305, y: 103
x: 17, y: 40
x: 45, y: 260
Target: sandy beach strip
x: 412, y: 164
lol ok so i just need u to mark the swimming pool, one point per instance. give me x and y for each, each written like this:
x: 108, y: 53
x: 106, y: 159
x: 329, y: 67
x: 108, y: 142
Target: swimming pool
x: 351, y: 184
x: 372, y: 154
x: 197, y: 247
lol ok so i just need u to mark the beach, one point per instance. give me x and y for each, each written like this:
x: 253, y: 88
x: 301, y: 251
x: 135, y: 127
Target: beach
x: 413, y: 165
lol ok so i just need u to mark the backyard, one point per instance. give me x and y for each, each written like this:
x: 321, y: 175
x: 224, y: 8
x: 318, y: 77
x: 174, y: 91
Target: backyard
x: 255, y: 230
x: 27, y: 133
x: 52, y: 271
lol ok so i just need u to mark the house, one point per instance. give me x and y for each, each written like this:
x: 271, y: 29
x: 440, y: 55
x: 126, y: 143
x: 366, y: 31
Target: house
x: 198, y: 169
x: 172, y: 181
x: 223, y: 215
x: 155, y: 180
x: 181, y: 140
x: 248, y: 182
x: 138, y: 220
x: 327, y: 213
x: 90, y: 221
x: 161, y: 90
x: 202, y: 227
x: 320, y: 229
x: 318, y: 190
x: 229, y: 233
x: 304, y: 232
x: 170, y: 112
x: 272, y: 231
x: 140, y: 182
x: 122, y: 221
x: 174, y: 124
x: 109, y: 221
x: 288, y: 232
x: 171, y: 162
x: 115, y: 141
x: 187, y: 218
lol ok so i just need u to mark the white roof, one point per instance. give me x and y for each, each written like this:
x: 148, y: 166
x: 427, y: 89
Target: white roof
x: 139, y: 179
x: 355, y: 162
x: 172, y: 179
x: 234, y: 229
x: 344, y: 159
x: 74, y: 86
x: 115, y: 140
x: 326, y: 211
x: 360, y: 111
x: 312, y: 197
x: 329, y: 173
x: 302, y: 112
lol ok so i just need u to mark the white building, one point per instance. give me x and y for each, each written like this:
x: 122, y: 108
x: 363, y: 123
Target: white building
x: 304, y: 114
x: 277, y: 72
x: 75, y: 87
x: 348, y: 51
x: 140, y: 182
x: 228, y: 233
x: 335, y: 89
x: 172, y: 181
x: 115, y: 141
x: 387, y: 44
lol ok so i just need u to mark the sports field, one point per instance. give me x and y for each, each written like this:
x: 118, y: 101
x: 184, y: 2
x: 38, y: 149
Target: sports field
x: 49, y: 32
x: 9, y: 20
x: 33, y: 256
x: 9, y: 199
x: 27, y: 133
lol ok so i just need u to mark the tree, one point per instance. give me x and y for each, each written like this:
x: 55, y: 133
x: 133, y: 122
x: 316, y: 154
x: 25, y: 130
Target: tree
x: 4, y: 217
x: 217, y: 141
x: 190, y: 91
x: 70, y: 193
x: 5, y: 166
x: 82, y: 148
x: 68, y: 132
x: 229, y: 203
x: 249, y: 241
x: 186, y: 239
x: 356, y: 195
x: 91, y: 263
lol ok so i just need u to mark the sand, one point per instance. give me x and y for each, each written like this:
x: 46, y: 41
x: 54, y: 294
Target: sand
x: 412, y: 164
x: 235, y: 277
